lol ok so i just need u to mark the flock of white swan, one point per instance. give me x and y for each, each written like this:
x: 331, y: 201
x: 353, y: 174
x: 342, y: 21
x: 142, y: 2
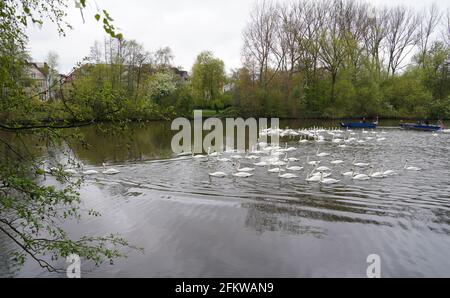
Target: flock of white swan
x: 318, y: 166
x: 72, y: 171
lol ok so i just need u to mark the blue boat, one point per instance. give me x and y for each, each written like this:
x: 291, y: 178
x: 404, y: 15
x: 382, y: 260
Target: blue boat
x: 421, y: 127
x: 362, y: 125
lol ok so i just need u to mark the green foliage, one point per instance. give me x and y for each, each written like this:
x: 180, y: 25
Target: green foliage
x: 208, y: 79
x: 160, y: 86
x: 31, y: 210
x: 407, y: 94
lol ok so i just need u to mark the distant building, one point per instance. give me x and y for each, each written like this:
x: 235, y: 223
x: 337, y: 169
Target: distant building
x: 184, y: 76
x: 40, y: 80
x: 228, y: 87
x: 37, y: 74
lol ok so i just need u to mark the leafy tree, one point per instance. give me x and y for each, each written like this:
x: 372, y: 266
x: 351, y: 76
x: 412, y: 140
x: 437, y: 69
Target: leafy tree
x: 160, y: 86
x: 31, y: 211
x: 208, y: 79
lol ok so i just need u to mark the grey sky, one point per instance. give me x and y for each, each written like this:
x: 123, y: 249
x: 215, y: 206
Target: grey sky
x: 187, y: 26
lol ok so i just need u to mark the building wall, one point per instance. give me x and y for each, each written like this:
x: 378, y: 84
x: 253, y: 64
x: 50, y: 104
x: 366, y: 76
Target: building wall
x: 39, y: 82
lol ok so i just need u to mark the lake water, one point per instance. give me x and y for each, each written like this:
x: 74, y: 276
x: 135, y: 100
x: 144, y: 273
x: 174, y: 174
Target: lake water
x: 192, y: 226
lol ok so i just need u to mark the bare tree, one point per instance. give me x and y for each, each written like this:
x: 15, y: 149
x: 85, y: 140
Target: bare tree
x: 446, y: 31
x: 377, y: 21
x: 429, y: 19
x: 135, y: 59
x: 163, y: 58
x: 96, y: 53
x: 332, y: 50
x: 290, y: 31
x: 400, y: 38
x: 313, y: 18
x: 354, y: 25
x: 260, y: 37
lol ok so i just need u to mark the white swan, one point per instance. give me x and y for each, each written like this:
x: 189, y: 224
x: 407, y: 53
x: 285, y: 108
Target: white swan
x: 244, y: 169
x: 411, y: 168
x: 261, y: 164
x: 275, y: 170
x: 321, y: 154
x: 109, y: 171
x: 376, y: 174
x: 361, y: 177
x: 336, y: 161
x: 291, y: 159
x: 224, y: 159
x: 218, y: 174
x: 327, y: 180
x: 286, y: 176
x: 199, y: 156
x: 350, y: 173
x: 90, y: 172
x: 312, y: 162
x: 290, y: 149
x: 293, y: 168
x: 303, y: 140
x: 325, y: 175
x: 323, y: 169
x: 242, y: 174
x: 389, y: 173
x: 214, y: 154
x: 313, y: 178
x: 279, y: 163
x: 360, y: 164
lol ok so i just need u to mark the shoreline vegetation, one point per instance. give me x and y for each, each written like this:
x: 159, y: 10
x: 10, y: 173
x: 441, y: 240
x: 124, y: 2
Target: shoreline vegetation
x: 302, y: 60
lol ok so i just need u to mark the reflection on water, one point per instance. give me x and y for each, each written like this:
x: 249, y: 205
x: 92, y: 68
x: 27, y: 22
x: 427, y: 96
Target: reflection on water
x: 193, y: 226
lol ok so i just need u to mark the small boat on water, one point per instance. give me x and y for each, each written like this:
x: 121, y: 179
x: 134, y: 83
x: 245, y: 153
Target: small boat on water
x: 362, y: 125
x: 421, y: 127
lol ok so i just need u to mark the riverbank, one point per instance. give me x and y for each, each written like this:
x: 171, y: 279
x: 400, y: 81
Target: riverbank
x: 42, y: 118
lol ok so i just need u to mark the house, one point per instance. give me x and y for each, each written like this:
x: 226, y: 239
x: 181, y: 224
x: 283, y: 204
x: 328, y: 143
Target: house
x: 182, y: 74
x: 41, y: 80
x: 37, y: 80
x: 228, y: 87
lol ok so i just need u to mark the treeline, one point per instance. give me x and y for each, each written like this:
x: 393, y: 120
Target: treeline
x: 344, y: 58
x: 305, y: 58
x: 122, y: 75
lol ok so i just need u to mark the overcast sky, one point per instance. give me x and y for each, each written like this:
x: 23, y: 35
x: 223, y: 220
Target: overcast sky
x: 187, y: 26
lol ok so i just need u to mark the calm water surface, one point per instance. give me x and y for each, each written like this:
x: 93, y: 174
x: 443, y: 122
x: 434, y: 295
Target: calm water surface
x: 194, y: 226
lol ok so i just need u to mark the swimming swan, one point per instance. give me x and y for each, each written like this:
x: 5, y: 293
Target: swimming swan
x: 109, y: 171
